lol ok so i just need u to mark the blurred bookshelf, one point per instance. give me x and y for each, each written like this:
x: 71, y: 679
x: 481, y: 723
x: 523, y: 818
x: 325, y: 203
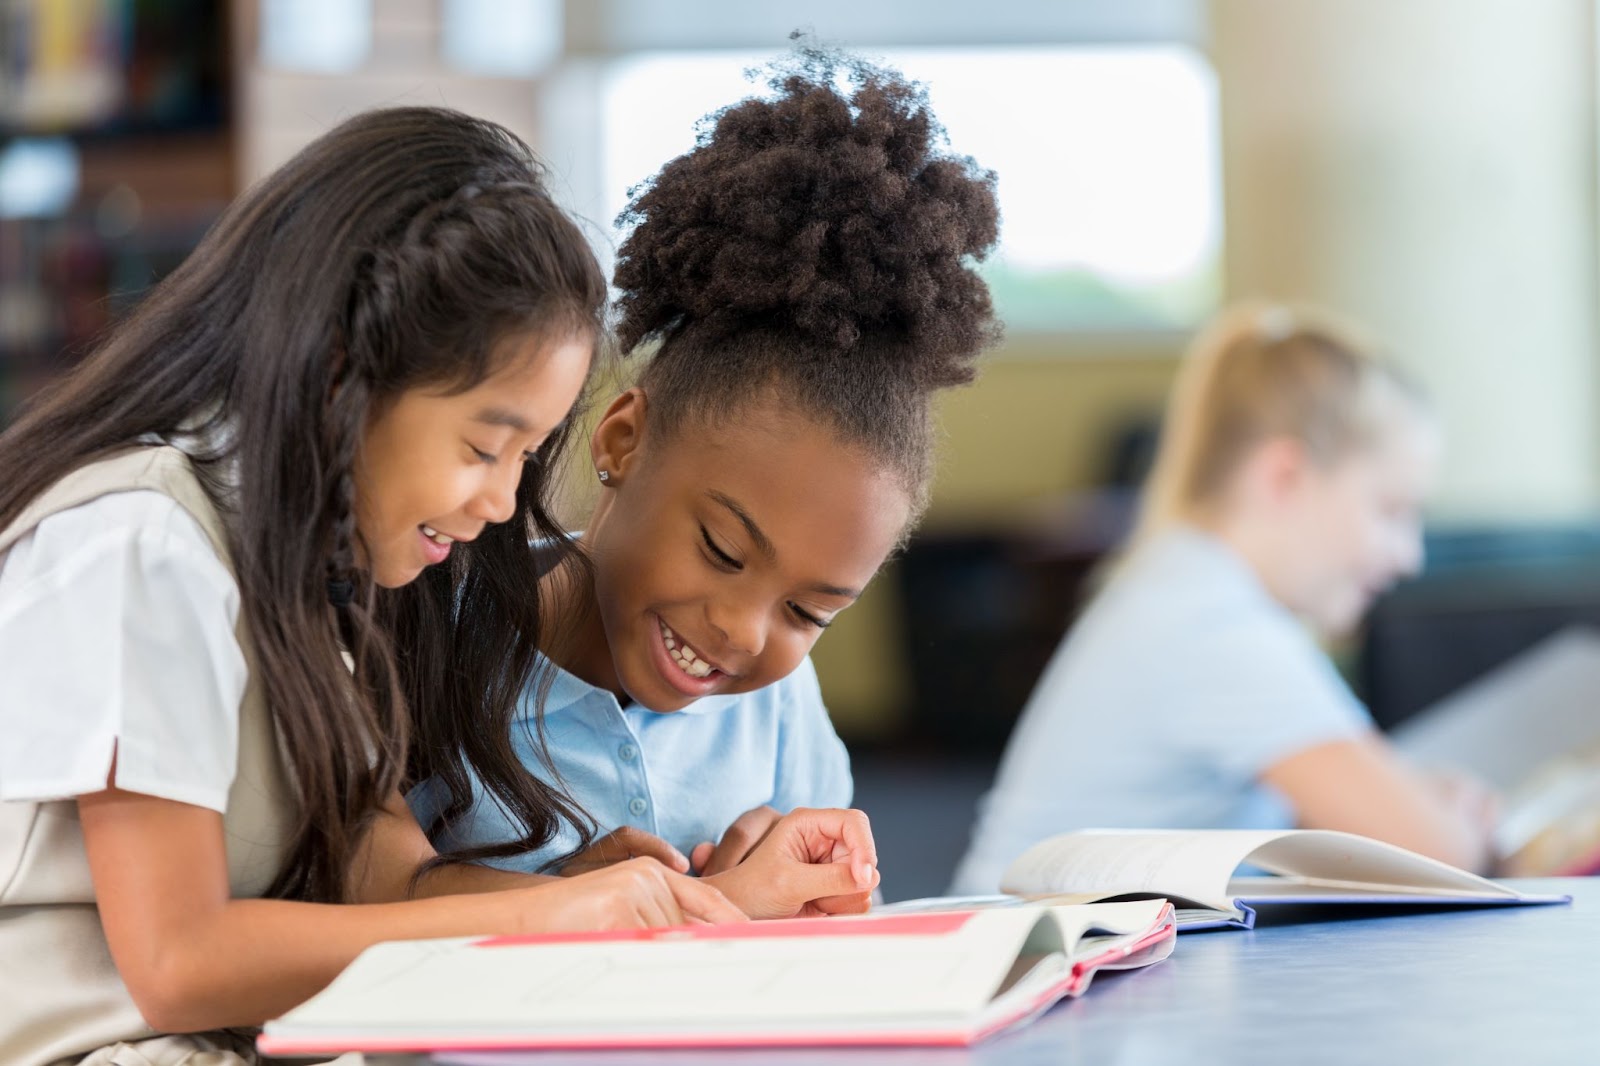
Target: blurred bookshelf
x: 116, y: 154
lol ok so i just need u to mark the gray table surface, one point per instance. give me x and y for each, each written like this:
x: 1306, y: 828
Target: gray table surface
x: 1308, y: 985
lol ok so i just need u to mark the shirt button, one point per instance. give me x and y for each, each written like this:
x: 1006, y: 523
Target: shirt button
x: 636, y: 807
x: 628, y: 752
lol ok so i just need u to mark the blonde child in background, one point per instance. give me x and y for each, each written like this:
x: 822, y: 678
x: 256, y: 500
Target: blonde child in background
x: 1285, y: 496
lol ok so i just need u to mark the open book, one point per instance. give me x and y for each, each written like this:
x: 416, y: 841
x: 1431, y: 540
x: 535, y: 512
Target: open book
x: 1196, y: 869
x: 949, y: 978
x: 1528, y: 727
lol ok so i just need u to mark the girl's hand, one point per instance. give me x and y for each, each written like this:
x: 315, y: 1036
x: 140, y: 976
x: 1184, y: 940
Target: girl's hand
x: 623, y: 844
x: 810, y: 863
x: 632, y: 894
x: 1470, y: 798
x: 195, y: 958
x: 743, y: 836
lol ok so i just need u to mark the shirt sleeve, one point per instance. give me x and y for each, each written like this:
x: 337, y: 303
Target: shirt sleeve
x: 813, y: 765
x: 1268, y: 692
x: 117, y: 637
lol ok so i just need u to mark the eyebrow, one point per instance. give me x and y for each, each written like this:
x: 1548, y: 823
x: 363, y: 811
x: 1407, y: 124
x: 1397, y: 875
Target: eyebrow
x: 764, y: 544
x: 499, y: 416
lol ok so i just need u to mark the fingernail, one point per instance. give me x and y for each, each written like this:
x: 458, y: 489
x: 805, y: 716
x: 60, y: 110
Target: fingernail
x: 867, y: 873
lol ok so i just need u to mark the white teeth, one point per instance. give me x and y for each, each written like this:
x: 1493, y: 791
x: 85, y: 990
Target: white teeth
x: 435, y: 536
x: 683, y: 655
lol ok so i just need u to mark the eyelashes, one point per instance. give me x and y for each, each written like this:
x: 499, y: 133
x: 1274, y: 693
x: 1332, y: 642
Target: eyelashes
x: 491, y: 459
x: 808, y: 617
x: 728, y: 564
x: 721, y: 559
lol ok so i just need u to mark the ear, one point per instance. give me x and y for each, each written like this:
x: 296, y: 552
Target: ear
x: 1278, y: 469
x: 614, y: 446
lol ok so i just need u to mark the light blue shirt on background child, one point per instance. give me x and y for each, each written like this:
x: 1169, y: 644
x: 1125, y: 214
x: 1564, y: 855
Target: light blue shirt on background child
x: 1183, y: 682
x: 683, y: 776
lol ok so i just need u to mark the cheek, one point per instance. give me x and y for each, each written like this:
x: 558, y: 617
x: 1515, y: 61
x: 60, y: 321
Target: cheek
x: 786, y: 647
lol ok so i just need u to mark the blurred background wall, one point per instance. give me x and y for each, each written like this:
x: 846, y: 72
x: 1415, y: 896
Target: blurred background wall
x: 1426, y: 169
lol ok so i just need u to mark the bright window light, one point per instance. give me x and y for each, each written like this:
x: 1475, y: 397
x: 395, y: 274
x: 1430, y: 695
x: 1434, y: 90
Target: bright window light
x: 1107, y: 157
x: 316, y: 36
x: 38, y: 177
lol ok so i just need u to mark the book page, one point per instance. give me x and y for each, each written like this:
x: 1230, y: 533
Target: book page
x: 1196, y: 866
x: 1326, y: 860
x: 1078, y: 921
x: 1506, y: 725
x: 679, y: 979
x: 1187, y: 866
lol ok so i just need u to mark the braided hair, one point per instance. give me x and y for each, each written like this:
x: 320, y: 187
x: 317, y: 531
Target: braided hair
x: 393, y: 253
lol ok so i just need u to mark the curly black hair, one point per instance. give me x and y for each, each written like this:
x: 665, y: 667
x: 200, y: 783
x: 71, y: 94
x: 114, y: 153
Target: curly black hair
x: 818, y: 245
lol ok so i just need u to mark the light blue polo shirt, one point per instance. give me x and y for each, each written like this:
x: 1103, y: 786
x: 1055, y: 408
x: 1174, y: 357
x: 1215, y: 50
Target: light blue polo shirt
x: 1181, y: 684
x: 683, y: 776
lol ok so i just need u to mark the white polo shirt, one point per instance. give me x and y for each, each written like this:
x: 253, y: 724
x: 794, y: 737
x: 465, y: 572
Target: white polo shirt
x: 1183, y: 682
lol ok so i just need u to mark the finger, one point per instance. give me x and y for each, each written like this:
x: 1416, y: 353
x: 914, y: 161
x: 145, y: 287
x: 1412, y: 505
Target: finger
x: 856, y: 831
x: 824, y: 880
x: 747, y: 831
x: 855, y: 903
x: 653, y: 897
x: 700, y: 901
x: 849, y: 833
x: 700, y: 855
x: 636, y: 843
x: 607, y: 850
x: 772, y: 819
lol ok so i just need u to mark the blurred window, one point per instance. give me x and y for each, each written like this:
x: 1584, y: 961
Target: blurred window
x: 1108, y: 160
x: 38, y: 177
x: 501, y: 38
x: 316, y: 36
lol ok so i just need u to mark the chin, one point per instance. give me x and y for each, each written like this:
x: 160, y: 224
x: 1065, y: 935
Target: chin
x: 1344, y: 622
x: 665, y: 702
x: 393, y: 577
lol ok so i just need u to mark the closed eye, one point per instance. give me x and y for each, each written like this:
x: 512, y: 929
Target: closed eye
x: 719, y: 558
x: 809, y: 618
x: 483, y: 456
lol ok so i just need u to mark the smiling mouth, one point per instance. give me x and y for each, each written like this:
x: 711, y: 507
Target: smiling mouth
x: 685, y: 657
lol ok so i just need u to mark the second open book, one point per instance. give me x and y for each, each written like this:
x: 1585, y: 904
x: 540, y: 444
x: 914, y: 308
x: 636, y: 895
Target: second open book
x: 1198, y: 870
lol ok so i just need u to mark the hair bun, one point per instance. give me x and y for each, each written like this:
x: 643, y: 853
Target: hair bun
x: 833, y: 218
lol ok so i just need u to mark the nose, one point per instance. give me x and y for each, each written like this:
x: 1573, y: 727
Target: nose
x: 741, y: 627
x: 496, y: 498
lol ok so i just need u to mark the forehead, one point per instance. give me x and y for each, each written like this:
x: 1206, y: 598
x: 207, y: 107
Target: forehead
x: 829, y: 507
x: 1401, y: 457
x: 533, y: 378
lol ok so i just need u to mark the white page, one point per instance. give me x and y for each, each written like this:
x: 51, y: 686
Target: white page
x: 1191, y: 866
x: 1326, y: 859
x: 1505, y: 725
x: 1133, y: 916
x: 662, y: 984
x: 1198, y: 865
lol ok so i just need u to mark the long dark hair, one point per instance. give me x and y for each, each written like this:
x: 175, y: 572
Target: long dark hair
x: 392, y: 253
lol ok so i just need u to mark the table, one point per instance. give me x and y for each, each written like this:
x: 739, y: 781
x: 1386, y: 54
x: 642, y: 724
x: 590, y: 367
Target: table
x: 1494, y: 986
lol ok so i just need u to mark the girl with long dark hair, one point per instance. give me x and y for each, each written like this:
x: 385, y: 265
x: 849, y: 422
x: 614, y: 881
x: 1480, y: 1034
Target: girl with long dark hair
x: 264, y: 556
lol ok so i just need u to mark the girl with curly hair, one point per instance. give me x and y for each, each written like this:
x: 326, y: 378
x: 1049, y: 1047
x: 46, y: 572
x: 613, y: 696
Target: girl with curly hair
x: 805, y: 279
x: 263, y: 555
